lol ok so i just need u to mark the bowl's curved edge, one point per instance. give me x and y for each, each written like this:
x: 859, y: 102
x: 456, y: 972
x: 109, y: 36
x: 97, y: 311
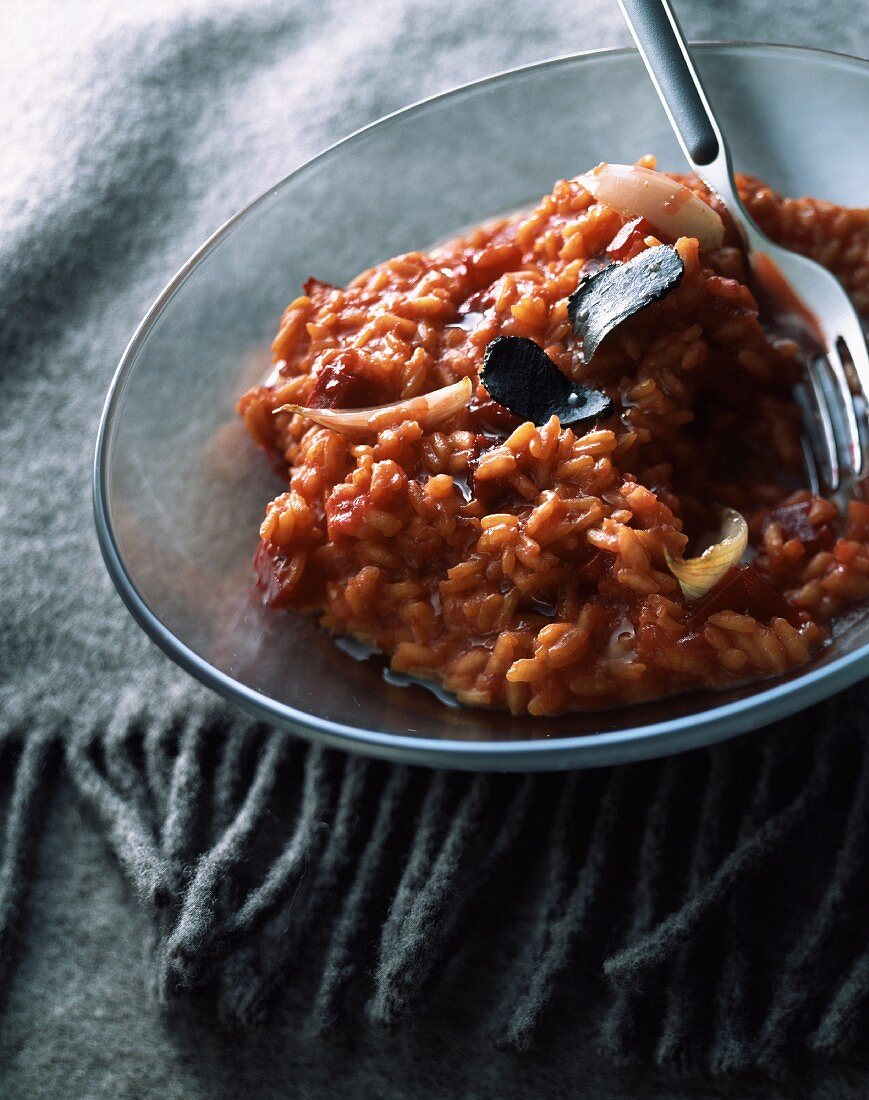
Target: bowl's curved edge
x: 588, y: 750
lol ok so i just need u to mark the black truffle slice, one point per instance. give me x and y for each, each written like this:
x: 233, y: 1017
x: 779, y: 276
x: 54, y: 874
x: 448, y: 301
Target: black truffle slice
x: 609, y: 296
x: 520, y: 376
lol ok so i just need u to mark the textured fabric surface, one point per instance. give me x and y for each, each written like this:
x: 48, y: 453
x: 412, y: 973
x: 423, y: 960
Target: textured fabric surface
x: 194, y: 906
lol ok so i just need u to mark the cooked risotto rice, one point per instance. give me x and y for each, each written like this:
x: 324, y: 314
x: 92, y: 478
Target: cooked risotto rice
x: 525, y: 566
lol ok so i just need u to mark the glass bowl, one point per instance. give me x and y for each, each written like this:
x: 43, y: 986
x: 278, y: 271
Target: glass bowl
x: 179, y: 490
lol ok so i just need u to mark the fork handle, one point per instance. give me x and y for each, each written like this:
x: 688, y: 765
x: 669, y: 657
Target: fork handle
x: 662, y: 45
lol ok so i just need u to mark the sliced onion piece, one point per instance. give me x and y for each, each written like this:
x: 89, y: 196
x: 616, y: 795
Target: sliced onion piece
x: 697, y: 575
x: 429, y: 409
x: 670, y: 206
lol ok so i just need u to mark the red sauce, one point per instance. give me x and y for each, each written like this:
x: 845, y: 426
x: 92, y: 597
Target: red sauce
x: 629, y: 241
x: 858, y: 520
x: 490, y: 418
x: 596, y: 263
x: 272, y: 572
x: 494, y: 261
x: 313, y: 285
x: 743, y: 589
x: 786, y: 300
x: 338, y: 383
x: 794, y: 521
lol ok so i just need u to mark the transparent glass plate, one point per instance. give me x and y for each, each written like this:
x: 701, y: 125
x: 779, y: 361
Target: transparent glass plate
x: 179, y: 489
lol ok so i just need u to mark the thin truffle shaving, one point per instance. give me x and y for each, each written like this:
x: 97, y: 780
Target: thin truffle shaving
x: 520, y: 376
x: 615, y: 292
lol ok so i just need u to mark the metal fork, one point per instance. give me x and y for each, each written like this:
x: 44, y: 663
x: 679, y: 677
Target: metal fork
x: 834, y: 398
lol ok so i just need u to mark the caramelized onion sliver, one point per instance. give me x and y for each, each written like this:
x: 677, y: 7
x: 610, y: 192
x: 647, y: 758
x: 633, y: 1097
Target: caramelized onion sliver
x: 428, y: 409
x: 697, y: 575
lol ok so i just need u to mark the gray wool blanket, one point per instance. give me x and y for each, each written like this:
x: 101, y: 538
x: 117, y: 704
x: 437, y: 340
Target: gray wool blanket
x: 192, y: 905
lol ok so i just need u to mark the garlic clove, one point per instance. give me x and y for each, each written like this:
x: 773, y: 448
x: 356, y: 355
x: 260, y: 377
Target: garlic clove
x: 668, y: 205
x: 696, y: 576
x: 428, y: 409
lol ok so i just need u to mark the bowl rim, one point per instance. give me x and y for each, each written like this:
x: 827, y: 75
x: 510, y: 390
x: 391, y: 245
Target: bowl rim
x: 637, y: 742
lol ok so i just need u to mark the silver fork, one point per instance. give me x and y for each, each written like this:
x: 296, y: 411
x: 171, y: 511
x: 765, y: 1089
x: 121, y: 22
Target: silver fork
x: 834, y: 398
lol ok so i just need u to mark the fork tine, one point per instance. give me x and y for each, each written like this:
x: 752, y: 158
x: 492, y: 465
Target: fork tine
x: 851, y: 334
x: 851, y: 453
x: 852, y: 342
x: 819, y: 442
x: 818, y: 420
x: 816, y: 485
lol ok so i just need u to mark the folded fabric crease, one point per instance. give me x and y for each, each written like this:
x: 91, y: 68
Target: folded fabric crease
x: 252, y: 853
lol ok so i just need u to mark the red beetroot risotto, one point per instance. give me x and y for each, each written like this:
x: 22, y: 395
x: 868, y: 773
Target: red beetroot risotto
x: 531, y: 565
